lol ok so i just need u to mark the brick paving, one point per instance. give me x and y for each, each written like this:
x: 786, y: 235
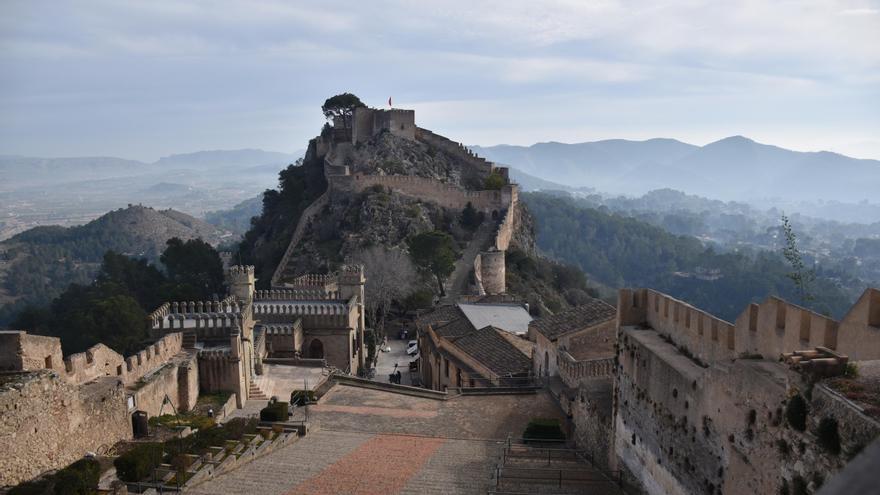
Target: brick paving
x: 380, y: 465
x: 367, y: 441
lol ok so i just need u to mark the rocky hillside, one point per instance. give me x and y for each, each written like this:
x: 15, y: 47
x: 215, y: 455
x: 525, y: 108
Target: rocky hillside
x: 36, y: 265
x: 372, y: 224
x: 388, y: 154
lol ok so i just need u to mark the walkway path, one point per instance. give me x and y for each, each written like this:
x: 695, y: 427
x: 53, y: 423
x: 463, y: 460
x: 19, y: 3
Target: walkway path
x: 457, y: 282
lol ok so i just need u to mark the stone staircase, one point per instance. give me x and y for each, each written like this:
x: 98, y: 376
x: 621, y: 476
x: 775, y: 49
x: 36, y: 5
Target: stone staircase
x: 256, y: 391
x: 457, y: 283
x: 558, y: 471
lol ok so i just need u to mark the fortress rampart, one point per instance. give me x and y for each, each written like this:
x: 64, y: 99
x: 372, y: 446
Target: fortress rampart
x: 690, y: 386
x: 25, y: 352
x: 449, y: 146
x: 767, y: 329
x: 432, y: 190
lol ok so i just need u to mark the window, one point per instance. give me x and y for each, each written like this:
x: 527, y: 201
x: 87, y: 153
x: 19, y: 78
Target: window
x: 49, y: 362
x: 447, y: 368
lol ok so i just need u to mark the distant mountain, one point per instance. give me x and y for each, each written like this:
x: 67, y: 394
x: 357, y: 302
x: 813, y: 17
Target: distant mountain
x: 238, y: 218
x: 226, y: 158
x: 70, y: 191
x: 38, y: 264
x: 734, y: 168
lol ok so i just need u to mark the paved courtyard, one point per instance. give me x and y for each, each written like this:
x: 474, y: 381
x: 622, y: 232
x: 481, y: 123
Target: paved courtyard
x: 387, y: 360
x: 367, y: 441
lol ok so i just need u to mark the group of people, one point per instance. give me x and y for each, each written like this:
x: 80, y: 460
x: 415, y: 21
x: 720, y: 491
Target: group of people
x: 395, y: 375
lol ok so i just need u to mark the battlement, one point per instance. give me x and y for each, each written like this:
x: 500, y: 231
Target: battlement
x: 296, y: 295
x: 24, y: 352
x: 241, y: 270
x: 771, y: 329
x: 351, y: 275
x: 298, y: 308
x: 706, y: 337
x: 312, y: 281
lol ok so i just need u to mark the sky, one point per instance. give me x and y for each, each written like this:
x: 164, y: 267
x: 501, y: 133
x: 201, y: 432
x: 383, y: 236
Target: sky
x: 147, y: 79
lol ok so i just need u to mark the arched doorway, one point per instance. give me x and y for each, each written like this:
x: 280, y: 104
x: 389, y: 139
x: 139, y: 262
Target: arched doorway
x: 316, y: 349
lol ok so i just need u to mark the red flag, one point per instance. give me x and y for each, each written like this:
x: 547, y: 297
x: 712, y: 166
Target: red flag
x: 389, y: 101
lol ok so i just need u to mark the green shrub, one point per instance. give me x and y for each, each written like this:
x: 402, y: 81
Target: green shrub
x: 237, y: 428
x: 828, y: 436
x: 40, y: 487
x: 543, y: 429
x: 275, y: 412
x: 138, y: 463
x: 796, y: 412
x: 80, y: 478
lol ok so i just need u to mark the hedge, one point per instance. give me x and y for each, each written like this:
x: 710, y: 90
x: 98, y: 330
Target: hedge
x: 79, y: 478
x: 275, y: 412
x: 138, y: 463
x: 543, y: 429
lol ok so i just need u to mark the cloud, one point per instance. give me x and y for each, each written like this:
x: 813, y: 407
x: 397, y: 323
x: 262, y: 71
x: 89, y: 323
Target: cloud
x: 514, y: 68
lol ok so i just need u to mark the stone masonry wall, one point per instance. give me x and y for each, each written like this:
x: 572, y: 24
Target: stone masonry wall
x: 47, y: 423
x: 178, y: 380
x: 693, y: 422
x: 441, y: 193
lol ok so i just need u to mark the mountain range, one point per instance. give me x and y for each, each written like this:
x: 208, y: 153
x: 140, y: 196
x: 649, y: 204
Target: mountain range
x: 734, y: 168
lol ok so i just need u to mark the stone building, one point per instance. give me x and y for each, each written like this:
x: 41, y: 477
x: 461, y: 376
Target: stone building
x: 761, y: 405
x: 574, y: 353
x: 571, y: 337
x: 454, y: 352
x: 313, y: 319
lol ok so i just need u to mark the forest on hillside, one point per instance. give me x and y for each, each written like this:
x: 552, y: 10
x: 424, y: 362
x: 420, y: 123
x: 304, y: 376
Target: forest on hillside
x: 621, y: 251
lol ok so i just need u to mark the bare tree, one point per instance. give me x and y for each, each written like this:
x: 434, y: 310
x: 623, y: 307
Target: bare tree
x: 390, y: 275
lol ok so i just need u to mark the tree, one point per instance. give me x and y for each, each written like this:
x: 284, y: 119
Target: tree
x: 390, y: 276
x: 194, y: 266
x: 802, y: 277
x: 343, y: 106
x: 495, y: 181
x: 434, y: 252
x: 470, y: 217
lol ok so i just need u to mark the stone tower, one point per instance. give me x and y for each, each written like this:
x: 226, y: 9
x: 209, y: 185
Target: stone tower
x: 241, y: 282
x: 492, y: 272
x: 351, y: 282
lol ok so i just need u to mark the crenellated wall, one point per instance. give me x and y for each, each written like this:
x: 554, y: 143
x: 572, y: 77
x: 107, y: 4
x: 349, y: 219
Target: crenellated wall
x: 426, y: 189
x: 22, y: 352
x: 708, y: 416
x: 858, y: 334
x: 706, y: 337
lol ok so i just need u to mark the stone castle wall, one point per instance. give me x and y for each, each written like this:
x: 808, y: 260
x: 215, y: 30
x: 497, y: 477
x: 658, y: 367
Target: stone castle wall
x: 431, y: 190
x: 23, y: 352
x: 47, y: 422
x: 178, y: 380
x: 704, y: 412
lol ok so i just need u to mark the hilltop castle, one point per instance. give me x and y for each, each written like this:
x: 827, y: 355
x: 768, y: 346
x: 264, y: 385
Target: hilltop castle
x: 337, y: 148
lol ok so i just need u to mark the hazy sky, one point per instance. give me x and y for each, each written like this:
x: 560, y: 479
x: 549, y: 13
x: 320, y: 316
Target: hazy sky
x: 147, y: 79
